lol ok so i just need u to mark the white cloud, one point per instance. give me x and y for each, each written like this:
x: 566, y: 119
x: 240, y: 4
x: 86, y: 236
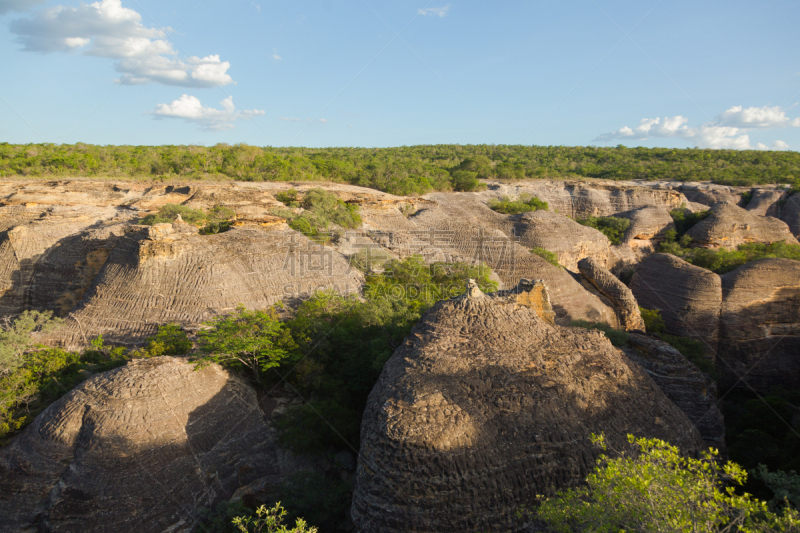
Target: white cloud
x: 727, y: 130
x: 106, y: 29
x: 276, y: 57
x: 324, y: 120
x: 17, y: 5
x: 291, y: 119
x: 434, y: 11
x: 190, y: 109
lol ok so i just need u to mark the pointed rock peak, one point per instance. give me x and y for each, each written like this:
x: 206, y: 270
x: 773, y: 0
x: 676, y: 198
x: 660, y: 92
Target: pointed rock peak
x: 179, y: 219
x: 473, y: 291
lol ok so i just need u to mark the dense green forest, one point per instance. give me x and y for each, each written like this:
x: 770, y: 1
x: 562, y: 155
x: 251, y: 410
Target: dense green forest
x: 401, y: 170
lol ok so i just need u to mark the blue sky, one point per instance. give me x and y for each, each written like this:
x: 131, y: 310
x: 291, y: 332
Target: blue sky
x: 717, y: 74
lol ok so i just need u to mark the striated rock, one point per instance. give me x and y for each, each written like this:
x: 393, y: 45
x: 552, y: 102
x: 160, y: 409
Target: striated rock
x: 138, y: 448
x: 556, y: 233
x: 766, y: 202
x: 486, y: 405
x: 728, y: 226
x: 612, y: 288
x: 760, y: 325
x: 647, y: 224
x: 689, y: 297
x: 790, y: 213
x: 168, y: 273
x: 710, y: 194
x: 692, y: 390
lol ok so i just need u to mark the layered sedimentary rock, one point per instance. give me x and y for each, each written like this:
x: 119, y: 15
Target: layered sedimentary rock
x: 688, y: 297
x: 618, y: 293
x: 647, y: 224
x: 728, y: 226
x: 556, y: 233
x: 168, y: 273
x: 710, y: 194
x: 760, y: 325
x: 486, y: 405
x: 790, y: 213
x: 766, y: 202
x: 692, y: 390
x: 139, y: 448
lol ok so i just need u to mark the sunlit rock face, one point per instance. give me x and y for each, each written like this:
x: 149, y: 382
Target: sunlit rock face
x: 728, y: 226
x: 487, y: 404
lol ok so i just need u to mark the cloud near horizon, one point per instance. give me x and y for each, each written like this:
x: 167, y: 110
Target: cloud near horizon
x: 727, y: 130
x: 434, y: 11
x: 190, y: 109
x: 106, y: 29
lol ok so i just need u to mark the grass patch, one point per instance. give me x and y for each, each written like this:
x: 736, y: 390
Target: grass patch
x: 547, y: 255
x: 524, y: 204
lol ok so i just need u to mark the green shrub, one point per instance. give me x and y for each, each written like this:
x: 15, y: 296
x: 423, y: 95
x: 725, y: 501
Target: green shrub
x: 320, y: 499
x: 653, y: 487
x: 289, y: 198
x: 612, y: 227
x: 270, y: 521
x: 691, y: 349
x: 169, y: 212
x: 17, y: 337
x: 617, y: 337
x: 722, y: 260
x: 785, y: 487
x: 653, y: 322
x: 747, y: 196
x: 466, y: 181
x: 321, y: 209
x: 548, y: 256
x: 170, y: 340
x: 685, y: 220
x: 523, y: 204
x: 219, y: 518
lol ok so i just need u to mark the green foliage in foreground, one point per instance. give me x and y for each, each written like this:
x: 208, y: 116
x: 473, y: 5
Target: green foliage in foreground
x: 547, y: 255
x: 653, y: 322
x: 523, y: 204
x: 320, y: 499
x: 617, y: 337
x: 785, y: 487
x: 321, y: 209
x: 348, y: 341
x: 270, y: 521
x: 612, y: 227
x: 685, y: 220
x: 17, y: 337
x: 401, y: 170
x: 41, y: 376
x: 217, y: 220
x: 654, y: 488
x: 722, y: 261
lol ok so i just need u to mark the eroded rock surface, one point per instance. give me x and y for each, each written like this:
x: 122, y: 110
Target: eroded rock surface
x: 688, y: 297
x: 790, y: 213
x: 692, y: 390
x: 618, y: 293
x: 728, y: 226
x: 766, y: 202
x: 138, y: 448
x: 486, y: 405
x: 760, y: 325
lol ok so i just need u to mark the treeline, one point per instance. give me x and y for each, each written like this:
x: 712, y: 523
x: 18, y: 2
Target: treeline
x: 402, y: 170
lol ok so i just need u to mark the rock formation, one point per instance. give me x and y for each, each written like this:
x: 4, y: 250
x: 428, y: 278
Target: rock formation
x: 766, y: 202
x: 790, y: 213
x: 647, y: 224
x: 688, y: 297
x: 168, y: 273
x: 710, y: 194
x: 486, y: 405
x: 139, y: 448
x: 618, y: 293
x: 728, y: 226
x: 556, y: 233
x: 760, y: 325
x: 692, y: 390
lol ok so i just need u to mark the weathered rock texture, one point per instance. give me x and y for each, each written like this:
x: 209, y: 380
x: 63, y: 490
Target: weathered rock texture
x: 486, y: 405
x: 766, y: 202
x: 556, y: 233
x: 790, y: 213
x: 689, y: 297
x: 760, y: 325
x: 692, y: 390
x: 618, y: 293
x: 138, y: 448
x: 647, y: 224
x: 168, y: 273
x: 710, y: 194
x: 728, y: 226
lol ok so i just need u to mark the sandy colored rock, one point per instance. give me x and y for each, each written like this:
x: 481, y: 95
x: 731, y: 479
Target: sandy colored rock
x: 486, y: 405
x: 710, y: 194
x: 556, y: 233
x: 692, y: 390
x: 760, y: 325
x: 728, y: 226
x: 138, y: 448
x: 766, y: 202
x: 688, y: 297
x: 647, y: 224
x: 618, y: 293
x: 790, y: 213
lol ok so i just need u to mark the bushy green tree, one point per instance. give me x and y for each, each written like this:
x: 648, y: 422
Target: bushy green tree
x: 466, y: 181
x: 270, y: 520
x: 16, y: 336
x: 251, y: 340
x: 655, y: 488
x: 612, y: 227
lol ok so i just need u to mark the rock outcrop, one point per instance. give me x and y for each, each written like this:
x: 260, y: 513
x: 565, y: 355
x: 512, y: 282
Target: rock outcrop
x: 790, y: 213
x: 728, y: 226
x: 760, y: 325
x: 766, y: 202
x: 618, y: 293
x: 556, y: 233
x: 647, y: 224
x: 692, y: 390
x: 486, y: 405
x: 168, y: 273
x: 710, y: 194
x: 688, y: 297
x: 139, y: 448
